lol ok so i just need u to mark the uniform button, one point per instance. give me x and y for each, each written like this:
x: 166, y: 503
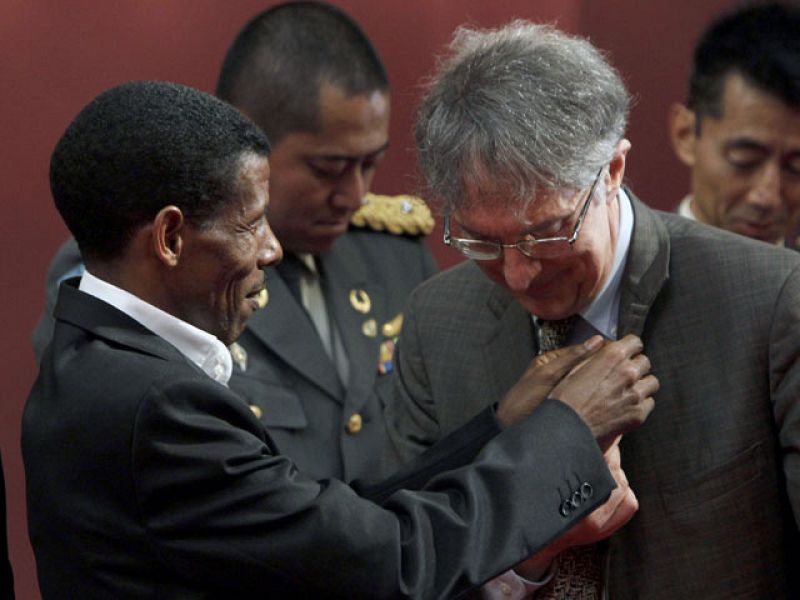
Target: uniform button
x: 505, y: 589
x: 566, y: 508
x: 256, y: 411
x: 354, y: 424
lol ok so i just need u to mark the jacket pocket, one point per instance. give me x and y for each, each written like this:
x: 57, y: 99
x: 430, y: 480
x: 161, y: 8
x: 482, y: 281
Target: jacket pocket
x: 274, y: 404
x: 718, y: 482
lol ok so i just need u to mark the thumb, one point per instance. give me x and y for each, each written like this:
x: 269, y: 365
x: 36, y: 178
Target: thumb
x: 562, y: 360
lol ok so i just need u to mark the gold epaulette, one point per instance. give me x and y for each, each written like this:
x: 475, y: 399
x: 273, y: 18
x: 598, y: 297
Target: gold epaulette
x: 396, y: 214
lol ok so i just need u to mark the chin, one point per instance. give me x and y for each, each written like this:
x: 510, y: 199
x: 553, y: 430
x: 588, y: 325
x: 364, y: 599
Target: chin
x: 549, y: 309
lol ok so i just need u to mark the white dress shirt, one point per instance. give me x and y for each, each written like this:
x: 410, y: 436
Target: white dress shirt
x: 199, y: 346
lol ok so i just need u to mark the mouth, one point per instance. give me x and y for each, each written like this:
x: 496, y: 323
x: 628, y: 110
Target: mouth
x: 763, y: 230
x: 333, y: 226
x: 258, y: 296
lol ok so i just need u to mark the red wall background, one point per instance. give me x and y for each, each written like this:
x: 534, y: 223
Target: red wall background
x: 56, y: 56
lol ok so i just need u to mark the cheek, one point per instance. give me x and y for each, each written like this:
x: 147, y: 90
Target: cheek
x: 493, y: 269
x: 239, y: 272
x: 720, y: 184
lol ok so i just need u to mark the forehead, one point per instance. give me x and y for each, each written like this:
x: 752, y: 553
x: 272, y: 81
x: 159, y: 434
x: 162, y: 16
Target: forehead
x: 350, y: 125
x: 498, y: 211
x: 252, y: 186
x: 748, y: 111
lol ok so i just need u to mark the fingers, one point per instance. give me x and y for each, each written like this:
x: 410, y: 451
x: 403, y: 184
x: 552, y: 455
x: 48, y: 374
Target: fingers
x: 646, y: 386
x: 612, y: 454
x: 561, y: 360
x: 614, y: 353
x: 623, y: 512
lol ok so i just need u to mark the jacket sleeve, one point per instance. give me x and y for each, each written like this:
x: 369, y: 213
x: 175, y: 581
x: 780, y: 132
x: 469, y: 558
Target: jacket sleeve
x: 225, y: 511
x: 784, y: 373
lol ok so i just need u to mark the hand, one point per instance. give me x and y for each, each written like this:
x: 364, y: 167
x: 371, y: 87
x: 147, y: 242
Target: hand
x: 539, y: 379
x: 612, y: 391
x: 598, y: 525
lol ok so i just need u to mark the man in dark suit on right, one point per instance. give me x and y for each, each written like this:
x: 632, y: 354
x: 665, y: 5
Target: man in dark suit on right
x: 521, y: 138
x: 739, y: 132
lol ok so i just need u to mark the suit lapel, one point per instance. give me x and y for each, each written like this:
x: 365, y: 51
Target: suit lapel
x: 286, y: 329
x: 345, y: 272
x: 509, y: 347
x: 105, y: 321
x: 646, y: 270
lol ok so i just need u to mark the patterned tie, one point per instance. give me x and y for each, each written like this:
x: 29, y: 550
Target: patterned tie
x: 579, y: 575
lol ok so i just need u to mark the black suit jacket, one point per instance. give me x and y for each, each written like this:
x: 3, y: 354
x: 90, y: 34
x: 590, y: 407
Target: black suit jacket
x: 287, y: 376
x: 146, y: 479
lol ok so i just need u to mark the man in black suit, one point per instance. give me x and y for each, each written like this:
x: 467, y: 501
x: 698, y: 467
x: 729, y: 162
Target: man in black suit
x: 315, y: 367
x: 147, y: 477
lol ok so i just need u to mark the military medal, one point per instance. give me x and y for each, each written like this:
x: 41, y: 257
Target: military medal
x: 391, y: 329
x: 359, y: 300
x: 369, y: 328
x: 386, y: 357
x: 239, y: 355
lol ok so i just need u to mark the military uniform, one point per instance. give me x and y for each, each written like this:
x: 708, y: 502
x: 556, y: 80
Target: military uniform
x: 332, y: 428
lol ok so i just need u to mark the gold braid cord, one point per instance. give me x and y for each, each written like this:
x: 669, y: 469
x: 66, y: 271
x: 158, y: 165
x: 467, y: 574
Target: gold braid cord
x: 400, y: 215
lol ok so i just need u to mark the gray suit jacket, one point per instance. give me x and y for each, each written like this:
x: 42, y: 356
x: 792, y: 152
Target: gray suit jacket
x: 146, y: 479
x: 716, y: 467
x: 290, y: 377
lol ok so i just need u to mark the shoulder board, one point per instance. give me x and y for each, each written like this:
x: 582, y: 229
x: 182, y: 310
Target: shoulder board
x: 399, y: 215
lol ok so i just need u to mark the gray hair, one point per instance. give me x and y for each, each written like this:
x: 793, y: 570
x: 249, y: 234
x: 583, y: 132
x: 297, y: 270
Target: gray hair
x: 515, y: 108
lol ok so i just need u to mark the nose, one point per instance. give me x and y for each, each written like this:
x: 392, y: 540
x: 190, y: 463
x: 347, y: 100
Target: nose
x: 270, y: 251
x: 519, y: 270
x: 766, y: 191
x: 351, y: 188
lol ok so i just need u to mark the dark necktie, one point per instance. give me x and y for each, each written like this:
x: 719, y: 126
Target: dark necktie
x: 579, y: 575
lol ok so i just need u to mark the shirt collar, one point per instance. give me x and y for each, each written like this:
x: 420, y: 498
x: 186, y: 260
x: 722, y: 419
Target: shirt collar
x: 603, y: 312
x: 685, y: 208
x: 200, y: 347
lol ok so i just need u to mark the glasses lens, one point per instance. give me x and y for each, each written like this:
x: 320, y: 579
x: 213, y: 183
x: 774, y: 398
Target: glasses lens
x: 476, y: 249
x: 546, y: 249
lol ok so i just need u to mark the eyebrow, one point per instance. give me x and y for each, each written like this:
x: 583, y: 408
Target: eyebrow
x: 526, y: 232
x: 352, y: 156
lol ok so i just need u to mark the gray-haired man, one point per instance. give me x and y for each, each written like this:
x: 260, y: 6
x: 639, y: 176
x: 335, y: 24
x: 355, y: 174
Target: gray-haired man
x: 521, y: 140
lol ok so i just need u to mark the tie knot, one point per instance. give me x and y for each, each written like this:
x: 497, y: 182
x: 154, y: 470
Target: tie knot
x: 553, y: 334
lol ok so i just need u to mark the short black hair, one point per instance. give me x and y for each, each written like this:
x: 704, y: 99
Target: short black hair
x: 760, y: 42
x: 277, y: 64
x: 139, y: 147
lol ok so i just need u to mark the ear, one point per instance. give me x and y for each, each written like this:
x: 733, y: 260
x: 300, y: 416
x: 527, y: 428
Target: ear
x: 682, y: 132
x: 616, y: 168
x: 169, y: 227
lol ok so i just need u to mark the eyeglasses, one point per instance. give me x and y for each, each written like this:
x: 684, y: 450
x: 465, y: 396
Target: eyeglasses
x: 531, y: 247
